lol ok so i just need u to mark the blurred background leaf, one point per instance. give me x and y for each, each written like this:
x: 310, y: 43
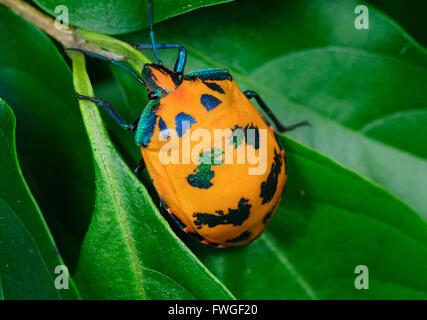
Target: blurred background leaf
x: 1, y: 291
x: 28, y: 255
x: 51, y: 140
x: 410, y: 14
x: 24, y: 274
x: 115, y: 17
x: 401, y: 129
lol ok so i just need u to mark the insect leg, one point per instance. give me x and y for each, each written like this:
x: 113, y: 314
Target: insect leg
x: 139, y: 168
x: 281, y: 128
x: 95, y: 55
x: 182, y: 54
x: 102, y: 103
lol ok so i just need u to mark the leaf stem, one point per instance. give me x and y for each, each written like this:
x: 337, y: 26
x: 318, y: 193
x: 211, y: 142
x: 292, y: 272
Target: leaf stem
x: 69, y: 38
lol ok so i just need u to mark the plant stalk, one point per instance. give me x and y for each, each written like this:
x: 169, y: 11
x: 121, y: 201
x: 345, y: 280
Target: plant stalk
x: 69, y: 38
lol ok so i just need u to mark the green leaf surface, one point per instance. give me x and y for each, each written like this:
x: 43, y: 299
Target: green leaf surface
x: 129, y: 251
x: 24, y: 274
x: 308, y: 61
x: 51, y: 140
x: 1, y: 290
x: 115, y: 17
x: 329, y: 221
x: 410, y: 14
x: 409, y: 127
x: 28, y: 254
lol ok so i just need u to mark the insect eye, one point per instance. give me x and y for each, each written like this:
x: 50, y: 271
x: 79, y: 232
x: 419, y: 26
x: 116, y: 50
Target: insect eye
x: 153, y: 96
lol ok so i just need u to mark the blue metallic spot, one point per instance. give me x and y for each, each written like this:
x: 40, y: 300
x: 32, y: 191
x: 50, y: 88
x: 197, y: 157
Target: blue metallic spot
x: 183, y: 123
x: 210, y: 102
x: 163, y: 129
x: 162, y: 124
x: 214, y: 86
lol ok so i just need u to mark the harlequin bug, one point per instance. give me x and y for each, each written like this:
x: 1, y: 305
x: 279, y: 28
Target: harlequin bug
x: 217, y: 203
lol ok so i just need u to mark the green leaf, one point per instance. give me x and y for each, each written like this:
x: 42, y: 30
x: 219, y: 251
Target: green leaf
x: 308, y: 61
x: 23, y: 270
x: 329, y: 221
x: 410, y: 129
x: 28, y: 255
x: 129, y: 251
x: 410, y: 16
x: 1, y: 290
x: 51, y: 140
x: 120, y: 16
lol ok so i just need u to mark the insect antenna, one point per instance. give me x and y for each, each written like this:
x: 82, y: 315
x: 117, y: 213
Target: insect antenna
x: 153, y: 41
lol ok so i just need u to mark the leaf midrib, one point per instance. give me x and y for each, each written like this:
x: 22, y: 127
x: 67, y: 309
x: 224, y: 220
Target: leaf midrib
x: 285, y: 261
x: 392, y: 116
x: 117, y: 201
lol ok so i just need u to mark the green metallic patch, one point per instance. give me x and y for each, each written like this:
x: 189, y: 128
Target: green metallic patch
x: 237, y: 137
x: 249, y: 133
x: 203, y: 174
x: 146, y: 125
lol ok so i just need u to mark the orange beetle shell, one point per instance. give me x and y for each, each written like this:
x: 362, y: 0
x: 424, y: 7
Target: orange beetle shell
x: 229, y: 207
